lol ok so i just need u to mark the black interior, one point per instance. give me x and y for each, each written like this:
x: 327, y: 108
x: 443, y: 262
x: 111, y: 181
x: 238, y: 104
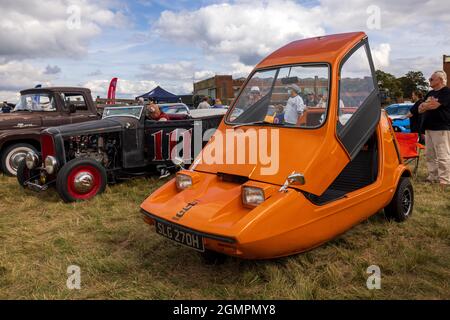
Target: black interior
x: 359, y: 173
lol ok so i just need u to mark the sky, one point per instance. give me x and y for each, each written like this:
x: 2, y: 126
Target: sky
x: 146, y: 43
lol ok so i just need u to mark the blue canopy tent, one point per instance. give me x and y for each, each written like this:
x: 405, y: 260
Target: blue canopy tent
x: 160, y: 95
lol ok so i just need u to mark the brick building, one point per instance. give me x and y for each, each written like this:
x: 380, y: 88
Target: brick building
x: 446, y: 67
x: 223, y: 87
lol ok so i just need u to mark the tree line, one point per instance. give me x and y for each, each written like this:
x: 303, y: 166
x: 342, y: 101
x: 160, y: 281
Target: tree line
x: 398, y: 89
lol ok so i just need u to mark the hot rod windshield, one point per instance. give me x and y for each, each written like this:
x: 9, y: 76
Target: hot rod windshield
x: 135, y: 112
x: 291, y: 96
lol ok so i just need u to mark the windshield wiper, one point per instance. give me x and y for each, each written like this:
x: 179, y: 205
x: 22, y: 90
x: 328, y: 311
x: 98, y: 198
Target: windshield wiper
x: 263, y: 122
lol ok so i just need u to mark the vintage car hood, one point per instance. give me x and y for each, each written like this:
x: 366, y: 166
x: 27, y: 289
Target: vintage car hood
x: 19, y: 120
x: 314, y: 153
x: 98, y: 126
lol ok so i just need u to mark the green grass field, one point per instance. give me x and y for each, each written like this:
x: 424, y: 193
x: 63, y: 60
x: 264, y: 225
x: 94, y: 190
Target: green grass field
x: 122, y: 258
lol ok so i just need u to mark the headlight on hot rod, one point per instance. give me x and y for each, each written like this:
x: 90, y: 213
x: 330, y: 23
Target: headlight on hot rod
x: 31, y: 160
x: 50, y: 164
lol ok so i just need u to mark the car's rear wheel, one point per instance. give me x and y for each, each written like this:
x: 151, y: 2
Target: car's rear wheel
x: 81, y: 179
x: 13, y: 155
x: 24, y: 174
x: 401, y: 206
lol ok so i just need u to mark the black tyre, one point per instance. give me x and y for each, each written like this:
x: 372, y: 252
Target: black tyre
x: 24, y: 174
x: 401, y: 205
x: 81, y: 179
x: 210, y: 257
x: 13, y: 155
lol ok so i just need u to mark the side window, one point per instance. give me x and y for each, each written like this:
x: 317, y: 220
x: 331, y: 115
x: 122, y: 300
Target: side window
x: 356, y: 84
x: 75, y: 99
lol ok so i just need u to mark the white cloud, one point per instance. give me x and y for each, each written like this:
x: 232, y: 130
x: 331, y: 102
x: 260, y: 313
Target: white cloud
x: 38, y: 28
x: 176, y: 71
x: 247, y: 30
x: 182, y: 70
x: 381, y: 55
x: 240, y: 70
x: 125, y: 88
x: 204, y: 74
x: 15, y: 76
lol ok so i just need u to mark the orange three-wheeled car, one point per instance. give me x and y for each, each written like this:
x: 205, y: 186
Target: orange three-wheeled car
x: 265, y: 189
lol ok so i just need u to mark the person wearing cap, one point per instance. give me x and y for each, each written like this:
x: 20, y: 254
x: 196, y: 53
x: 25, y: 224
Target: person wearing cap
x: 255, y: 95
x: 294, y: 106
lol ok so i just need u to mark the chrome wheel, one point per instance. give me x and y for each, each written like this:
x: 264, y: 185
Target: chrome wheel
x: 83, y: 182
x: 14, y: 157
x: 406, y: 202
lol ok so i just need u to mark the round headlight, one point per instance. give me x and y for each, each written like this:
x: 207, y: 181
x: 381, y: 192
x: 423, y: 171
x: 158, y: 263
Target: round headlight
x: 51, y: 164
x: 31, y: 160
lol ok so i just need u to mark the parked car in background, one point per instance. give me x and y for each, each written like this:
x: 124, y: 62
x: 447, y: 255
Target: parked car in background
x: 397, y: 112
x: 37, y: 109
x: 81, y: 159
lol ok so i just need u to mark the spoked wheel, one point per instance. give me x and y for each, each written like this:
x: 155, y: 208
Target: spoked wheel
x: 81, y: 179
x: 401, y: 205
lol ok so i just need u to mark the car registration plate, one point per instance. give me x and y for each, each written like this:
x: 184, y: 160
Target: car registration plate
x: 179, y: 235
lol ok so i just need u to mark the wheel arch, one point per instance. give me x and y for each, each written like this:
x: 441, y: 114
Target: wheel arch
x: 34, y: 142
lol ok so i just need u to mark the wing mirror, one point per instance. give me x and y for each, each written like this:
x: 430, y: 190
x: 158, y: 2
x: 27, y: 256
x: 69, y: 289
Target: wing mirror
x: 164, y: 170
x: 178, y: 162
x: 293, y: 179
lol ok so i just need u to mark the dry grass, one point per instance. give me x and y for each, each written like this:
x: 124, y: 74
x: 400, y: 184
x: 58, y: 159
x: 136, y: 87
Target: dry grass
x: 121, y: 258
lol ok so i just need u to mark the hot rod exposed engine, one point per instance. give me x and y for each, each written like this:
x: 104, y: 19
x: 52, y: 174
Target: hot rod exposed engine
x: 101, y: 148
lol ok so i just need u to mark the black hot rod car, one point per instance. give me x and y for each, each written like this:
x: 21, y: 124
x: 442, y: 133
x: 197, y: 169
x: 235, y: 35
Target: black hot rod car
x: 82, y: 158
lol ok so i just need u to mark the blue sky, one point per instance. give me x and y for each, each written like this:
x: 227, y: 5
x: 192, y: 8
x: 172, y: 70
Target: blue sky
x: 173, y: 43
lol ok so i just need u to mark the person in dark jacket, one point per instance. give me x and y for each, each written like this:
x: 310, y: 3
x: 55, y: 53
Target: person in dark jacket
x: 416, y: 118
x: 436, y: 123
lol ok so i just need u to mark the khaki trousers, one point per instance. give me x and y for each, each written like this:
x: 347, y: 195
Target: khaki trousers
x: 437, y: 153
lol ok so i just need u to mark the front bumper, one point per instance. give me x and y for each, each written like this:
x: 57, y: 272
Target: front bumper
x: 212, y: 242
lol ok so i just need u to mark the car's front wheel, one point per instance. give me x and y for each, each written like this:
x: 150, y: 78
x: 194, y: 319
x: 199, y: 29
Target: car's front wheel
x: 13, y: 155
x: 81, y: 179
x: 401, y: 206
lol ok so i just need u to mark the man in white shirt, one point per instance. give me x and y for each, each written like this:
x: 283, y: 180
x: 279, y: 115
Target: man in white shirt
x: 204, y: 104
x: 294, y: 105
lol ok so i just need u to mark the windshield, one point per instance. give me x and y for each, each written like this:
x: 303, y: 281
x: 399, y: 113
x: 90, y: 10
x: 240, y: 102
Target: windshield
x: 293, y: 96
x: 35, y: 102
x: 134, y: 112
